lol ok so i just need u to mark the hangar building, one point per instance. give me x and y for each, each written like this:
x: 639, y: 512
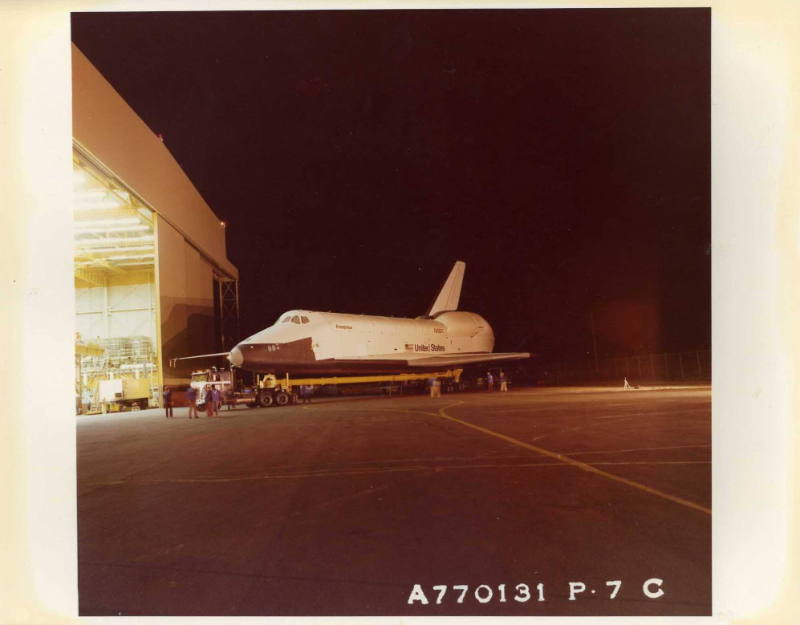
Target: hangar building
x: 152, y: 278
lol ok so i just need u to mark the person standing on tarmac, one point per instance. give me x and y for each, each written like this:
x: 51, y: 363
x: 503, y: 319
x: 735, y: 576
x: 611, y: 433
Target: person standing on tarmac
x: 168, y: 402
x: 503, y: 382
x: 191, y: 397
x: 489, y: 381
x: 209, y: 401
x: 217, y: 400
x: 212, y: 394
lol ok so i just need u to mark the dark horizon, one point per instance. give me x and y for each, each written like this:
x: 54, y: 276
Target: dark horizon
x: 355, y: 155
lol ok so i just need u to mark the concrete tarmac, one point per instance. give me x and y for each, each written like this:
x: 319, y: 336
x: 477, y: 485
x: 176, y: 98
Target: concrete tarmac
x: 472, y: 504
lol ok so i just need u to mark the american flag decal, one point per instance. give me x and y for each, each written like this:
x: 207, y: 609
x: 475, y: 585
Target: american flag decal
x: 409, y: 347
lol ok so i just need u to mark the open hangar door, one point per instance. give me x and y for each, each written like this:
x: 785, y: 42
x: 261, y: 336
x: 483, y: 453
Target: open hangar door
x: 150, y: 255
x: 117, y: 332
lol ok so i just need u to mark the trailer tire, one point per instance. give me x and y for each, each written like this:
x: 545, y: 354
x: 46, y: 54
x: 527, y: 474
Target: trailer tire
x: 265, y: 399
x: 282, y: 398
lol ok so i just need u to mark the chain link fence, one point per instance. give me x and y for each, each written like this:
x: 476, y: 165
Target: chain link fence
x: 692, y: 366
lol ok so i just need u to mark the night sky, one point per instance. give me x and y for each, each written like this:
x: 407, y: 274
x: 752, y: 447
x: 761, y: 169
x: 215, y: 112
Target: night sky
x: 355, y: 155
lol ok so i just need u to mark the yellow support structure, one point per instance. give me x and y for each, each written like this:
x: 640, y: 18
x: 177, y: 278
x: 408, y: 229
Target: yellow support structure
x: 287, y: 383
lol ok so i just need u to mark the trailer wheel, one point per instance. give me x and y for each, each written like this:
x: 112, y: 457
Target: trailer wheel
x: 265, y: 398
x: 282, y: 398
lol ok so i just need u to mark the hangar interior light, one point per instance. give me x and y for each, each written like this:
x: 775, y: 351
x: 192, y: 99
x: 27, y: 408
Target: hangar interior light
x: 100, y: 223
x: 116, y: 297
x: 110, y: 229
x: 110, y: 224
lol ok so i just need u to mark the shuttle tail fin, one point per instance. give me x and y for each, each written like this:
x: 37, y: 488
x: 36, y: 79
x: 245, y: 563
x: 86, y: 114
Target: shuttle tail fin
x: 451, y: 291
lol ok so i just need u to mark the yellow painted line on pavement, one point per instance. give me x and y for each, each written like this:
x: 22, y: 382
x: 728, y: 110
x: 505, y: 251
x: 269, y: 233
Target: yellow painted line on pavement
x: 575, y: 463
x: 415, y: 468
x: 632, y: 449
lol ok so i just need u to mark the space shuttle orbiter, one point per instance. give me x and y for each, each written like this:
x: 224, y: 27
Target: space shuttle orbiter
x: 311, y: 342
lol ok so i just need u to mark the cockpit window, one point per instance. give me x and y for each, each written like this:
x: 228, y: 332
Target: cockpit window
x: 304, y: 319
x: 296, y: 319
x: 286, y: 319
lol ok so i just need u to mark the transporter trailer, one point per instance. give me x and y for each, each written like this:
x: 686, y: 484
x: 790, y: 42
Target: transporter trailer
x: 270, y: 390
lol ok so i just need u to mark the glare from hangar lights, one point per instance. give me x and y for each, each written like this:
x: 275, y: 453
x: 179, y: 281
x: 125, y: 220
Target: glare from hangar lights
x: 80, y: 177
x: 111, y: 230
x: 130, y: 256
x: 139, y: 239
x: 94, y: 193
x: 120, y: 229
x: 108, y: 203
x: 119, y: 248
x: 97, y: 193
x: 119, y: 221
x: 113, y: 253
x: 100, y: 262
x: 99, y: 198
x: 137, y: 263
x: 91, y: 194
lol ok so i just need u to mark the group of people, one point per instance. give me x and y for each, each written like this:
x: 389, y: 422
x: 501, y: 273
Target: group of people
x: 209, y: 398
x: 501, y: 379
x: 435, y: 385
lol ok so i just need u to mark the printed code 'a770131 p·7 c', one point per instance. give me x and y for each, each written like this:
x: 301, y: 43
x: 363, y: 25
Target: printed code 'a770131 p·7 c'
x: 521, y: 593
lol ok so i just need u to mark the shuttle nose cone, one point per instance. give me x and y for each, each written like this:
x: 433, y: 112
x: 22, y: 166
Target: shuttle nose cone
x: 236, y: 357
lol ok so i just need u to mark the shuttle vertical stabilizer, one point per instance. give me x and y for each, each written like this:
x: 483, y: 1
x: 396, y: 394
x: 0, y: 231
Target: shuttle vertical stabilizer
x: 448, y: 297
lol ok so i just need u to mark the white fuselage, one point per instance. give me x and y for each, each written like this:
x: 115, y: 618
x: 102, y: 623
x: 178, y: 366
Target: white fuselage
x: 310, y: 340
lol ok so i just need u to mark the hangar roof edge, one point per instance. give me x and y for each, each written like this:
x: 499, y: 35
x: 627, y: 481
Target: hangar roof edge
x: 110, y: 131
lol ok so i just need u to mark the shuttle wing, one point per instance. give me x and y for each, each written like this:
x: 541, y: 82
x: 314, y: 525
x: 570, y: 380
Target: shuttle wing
x: 426, y: 361
x: 452, y: 360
